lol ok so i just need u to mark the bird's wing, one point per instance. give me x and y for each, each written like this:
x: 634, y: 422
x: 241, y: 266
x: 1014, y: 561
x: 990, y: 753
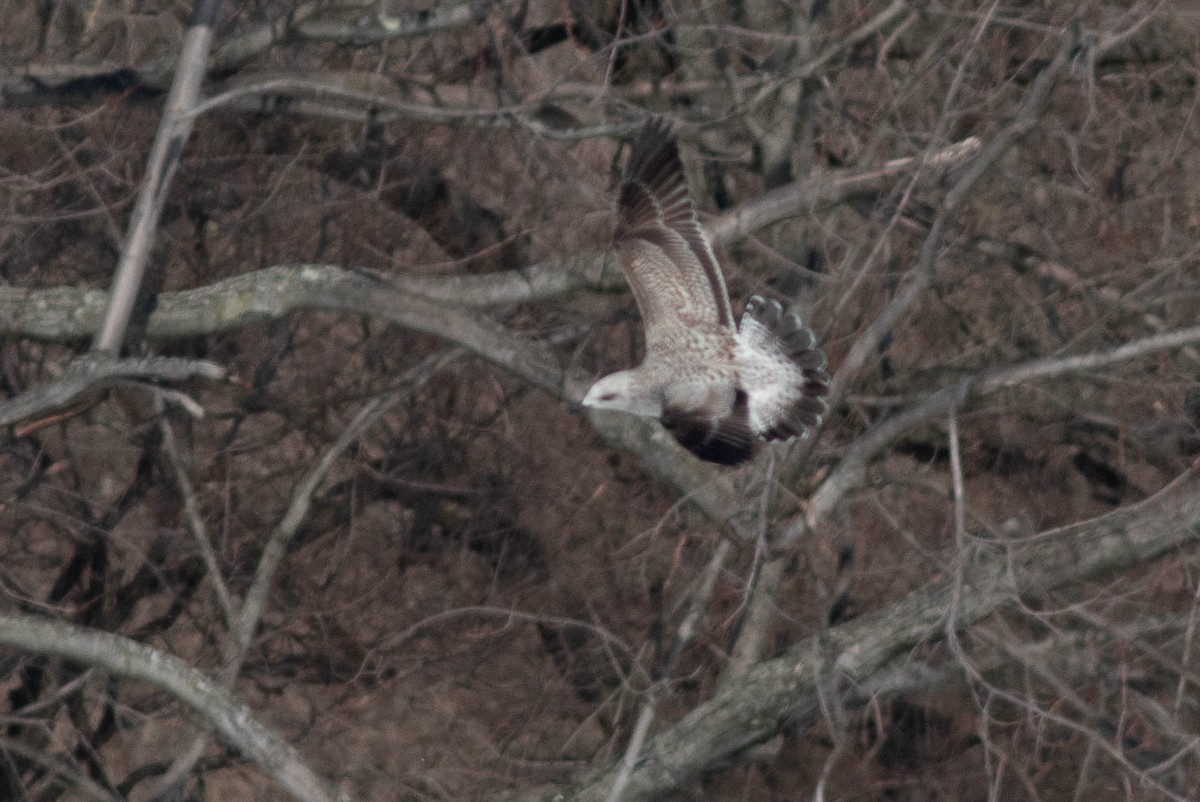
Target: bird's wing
x: 782, y: 370
x: 664, y: 254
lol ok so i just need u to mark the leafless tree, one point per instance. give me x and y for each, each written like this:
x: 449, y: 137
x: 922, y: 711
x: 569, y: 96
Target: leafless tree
x: 316, y: 514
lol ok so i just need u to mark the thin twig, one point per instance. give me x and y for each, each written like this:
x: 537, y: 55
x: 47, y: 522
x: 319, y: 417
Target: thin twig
x: 782, y: 692
x: 922, y: 273
x: 195, y: 521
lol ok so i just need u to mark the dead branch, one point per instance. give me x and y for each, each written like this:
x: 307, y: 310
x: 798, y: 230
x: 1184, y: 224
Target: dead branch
x: 697, y: 606
x: 359, y: 23
x: 195, y: 521
x: 62, y: 775
x: 92, y: 372
x: 64, y: 314
x: 354, y: 23
x: 271, y: 294
x: 917, y: 281
x: 922, y: 273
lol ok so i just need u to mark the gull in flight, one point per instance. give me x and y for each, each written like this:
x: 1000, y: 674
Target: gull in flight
x: 719, y: 388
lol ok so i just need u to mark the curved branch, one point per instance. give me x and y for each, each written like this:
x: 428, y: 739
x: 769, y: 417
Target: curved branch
x: 351, y: 22
x: 125, y: 658
x: 823, y: 190
x: 243, y: 624
x: 63, y: 314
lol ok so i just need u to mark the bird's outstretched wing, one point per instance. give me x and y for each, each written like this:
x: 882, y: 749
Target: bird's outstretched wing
x: 664, y: 254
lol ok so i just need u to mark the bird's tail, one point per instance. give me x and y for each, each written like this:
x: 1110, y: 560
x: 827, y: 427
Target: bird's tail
x: 799, y: 344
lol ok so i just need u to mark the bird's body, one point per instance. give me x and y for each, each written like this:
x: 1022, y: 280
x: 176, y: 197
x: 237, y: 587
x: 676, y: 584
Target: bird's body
x: 720, y: 389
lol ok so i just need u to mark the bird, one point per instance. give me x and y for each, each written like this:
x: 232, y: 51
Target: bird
x: 720, y: 389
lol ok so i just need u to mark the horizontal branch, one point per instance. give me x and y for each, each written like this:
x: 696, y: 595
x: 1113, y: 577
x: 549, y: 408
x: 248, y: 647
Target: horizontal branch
x: 352, y: 22
x: 823, y: 190
x: 65, y: 314
x: 358, y: 23
x: 92, y: 372
x: 131, y: 660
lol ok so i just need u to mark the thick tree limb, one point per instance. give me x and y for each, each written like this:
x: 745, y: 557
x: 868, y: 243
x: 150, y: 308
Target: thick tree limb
x: 915, y: 285
x: 353, y: 22
x: 254, y: 298
x: 784, y: 692
x: 982, y: 160
x: 359, y: 23
x: 131, y: 660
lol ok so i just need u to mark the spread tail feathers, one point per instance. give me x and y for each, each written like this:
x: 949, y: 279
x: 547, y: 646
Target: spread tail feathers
x: 805, y: 402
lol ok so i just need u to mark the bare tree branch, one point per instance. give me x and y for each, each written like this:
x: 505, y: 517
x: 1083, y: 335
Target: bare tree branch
x: 195, y: 521
x: 75, y: 781
x: 821, y: 191
x: 271, y: 294
x: 976, y: 168
x: 131, y: 660
x: 355, y: 23
x: 92, y: 372
x: 359, y: 22
x: 63, y: 314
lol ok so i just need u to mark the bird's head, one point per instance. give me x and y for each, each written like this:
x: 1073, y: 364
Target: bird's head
x: 623, y: 392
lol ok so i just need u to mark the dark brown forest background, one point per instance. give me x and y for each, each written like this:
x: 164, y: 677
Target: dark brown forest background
x: 335, y: 528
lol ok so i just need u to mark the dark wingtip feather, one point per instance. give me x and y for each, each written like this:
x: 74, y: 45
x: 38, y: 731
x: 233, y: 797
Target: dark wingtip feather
x: 654, y: 149
x: 654, y: 181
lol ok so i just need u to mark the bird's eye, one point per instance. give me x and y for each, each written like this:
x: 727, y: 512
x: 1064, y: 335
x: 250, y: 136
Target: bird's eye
x: 608, y: 397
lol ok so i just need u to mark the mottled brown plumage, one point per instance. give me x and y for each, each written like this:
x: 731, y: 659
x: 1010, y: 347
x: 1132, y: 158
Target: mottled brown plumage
x: 718, y: 389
